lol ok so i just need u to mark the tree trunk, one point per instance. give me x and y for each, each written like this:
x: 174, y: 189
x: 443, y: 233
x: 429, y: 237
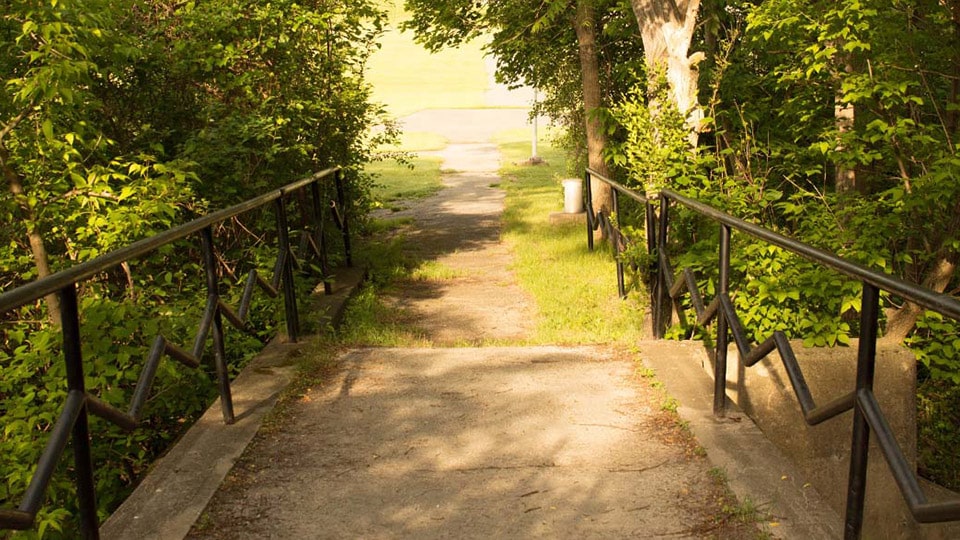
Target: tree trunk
x: 585, y: 26
x: 900, y: 321
x: 29, y: 217
x: 845, y: 178
x: 844, y: 116
x: 666, y: 27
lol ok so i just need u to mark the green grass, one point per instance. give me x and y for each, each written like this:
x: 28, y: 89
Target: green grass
x: 376, y: 227
x: 407, y: 78
x: 417, y: 141
x: 545, y: 133
x: 396, y: 182
x: 368, y: 321
x: 435, y: 271
x: 575, y: 289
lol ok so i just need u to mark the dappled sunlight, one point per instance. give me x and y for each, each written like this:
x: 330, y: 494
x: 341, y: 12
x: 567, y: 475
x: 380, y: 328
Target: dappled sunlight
x: 440, y: 442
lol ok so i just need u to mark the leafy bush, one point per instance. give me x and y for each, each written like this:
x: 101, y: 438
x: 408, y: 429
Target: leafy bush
x: 116, y: 331
x: 834, y: 123
x: 121, y: 119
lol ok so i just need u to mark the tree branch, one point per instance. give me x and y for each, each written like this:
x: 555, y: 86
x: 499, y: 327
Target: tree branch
x: 15, y: 121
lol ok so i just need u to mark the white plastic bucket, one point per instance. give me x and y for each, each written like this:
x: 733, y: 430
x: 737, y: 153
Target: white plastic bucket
x: 572, y: 196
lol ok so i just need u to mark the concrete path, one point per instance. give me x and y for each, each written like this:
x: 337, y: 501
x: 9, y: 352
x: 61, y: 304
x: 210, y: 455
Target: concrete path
x: 482, y: 442
x: 457, y: 230
x: 539, y: 442
x: 495, y: 442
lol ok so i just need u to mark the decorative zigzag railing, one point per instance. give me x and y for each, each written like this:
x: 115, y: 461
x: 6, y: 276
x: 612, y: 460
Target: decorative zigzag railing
x: 604, y: 220
x: 668, y: 287
x: 73, y: 420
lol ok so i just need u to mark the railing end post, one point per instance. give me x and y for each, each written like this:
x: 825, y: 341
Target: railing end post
x: 720, y: 368
x: 587, y: 179
x: 342, y: 201
x: 860, y: 443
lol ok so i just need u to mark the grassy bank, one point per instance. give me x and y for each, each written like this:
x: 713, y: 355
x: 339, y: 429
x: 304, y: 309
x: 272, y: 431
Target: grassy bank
x: 368, y: 320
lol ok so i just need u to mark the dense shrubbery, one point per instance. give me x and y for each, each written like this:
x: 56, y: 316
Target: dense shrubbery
x: 121, y: 118
x: 835, y: 123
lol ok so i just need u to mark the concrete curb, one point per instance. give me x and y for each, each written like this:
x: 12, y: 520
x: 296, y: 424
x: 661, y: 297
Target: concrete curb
x: 754, y: 466
x: 178, y: 487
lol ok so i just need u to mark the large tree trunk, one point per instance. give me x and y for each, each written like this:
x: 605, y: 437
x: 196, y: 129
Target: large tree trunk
x: 29, y: 217
x: 900, y: 321
x: 585, y: 25
x: 666, y: 27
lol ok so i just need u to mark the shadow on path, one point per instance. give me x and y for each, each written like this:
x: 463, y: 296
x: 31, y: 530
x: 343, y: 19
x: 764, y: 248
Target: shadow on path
x: 470, y: 443
x: 459, y: 229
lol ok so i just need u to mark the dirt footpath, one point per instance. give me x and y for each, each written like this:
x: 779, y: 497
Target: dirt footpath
x: 478, y: 300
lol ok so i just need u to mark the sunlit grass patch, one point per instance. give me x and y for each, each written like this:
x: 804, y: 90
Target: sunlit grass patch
x: 378, y: 226
x: 369, y: 322
x: 396, y: 182
x: 435, y: 271
x: 575, y: 289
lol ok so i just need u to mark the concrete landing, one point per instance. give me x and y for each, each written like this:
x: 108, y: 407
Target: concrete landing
x: 496, y: 442
x: 471, y: 443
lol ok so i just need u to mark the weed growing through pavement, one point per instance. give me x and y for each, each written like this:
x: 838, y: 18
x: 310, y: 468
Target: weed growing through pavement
x: 670, y: 404
x: 746, y: 512
x: 718, y: 474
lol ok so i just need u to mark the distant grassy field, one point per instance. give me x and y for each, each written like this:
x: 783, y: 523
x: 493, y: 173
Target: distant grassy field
x: 396, y: 183
x: 408, y: 78
x: 417, y: 141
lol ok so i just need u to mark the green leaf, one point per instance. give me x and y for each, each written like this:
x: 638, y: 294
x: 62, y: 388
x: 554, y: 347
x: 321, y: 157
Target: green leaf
x: 47, y: 128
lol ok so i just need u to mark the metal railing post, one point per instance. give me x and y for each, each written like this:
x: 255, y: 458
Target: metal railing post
x: 587, y: 179
x: 661, y: 302
x: 616, y: 238
x: 650, y: 217
x: 82, y: 459
x: 319, y: 234
x: 219, y: 352
x: 860, y: 445
x: 650, y: 273
x: 286, y: 272
x: 341, y: 200
x: 720, y: 360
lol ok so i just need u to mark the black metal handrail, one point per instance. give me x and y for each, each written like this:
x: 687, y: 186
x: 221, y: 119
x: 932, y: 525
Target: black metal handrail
x: 604, y: 219
x: 670, y: 287
x: 73, y: 420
